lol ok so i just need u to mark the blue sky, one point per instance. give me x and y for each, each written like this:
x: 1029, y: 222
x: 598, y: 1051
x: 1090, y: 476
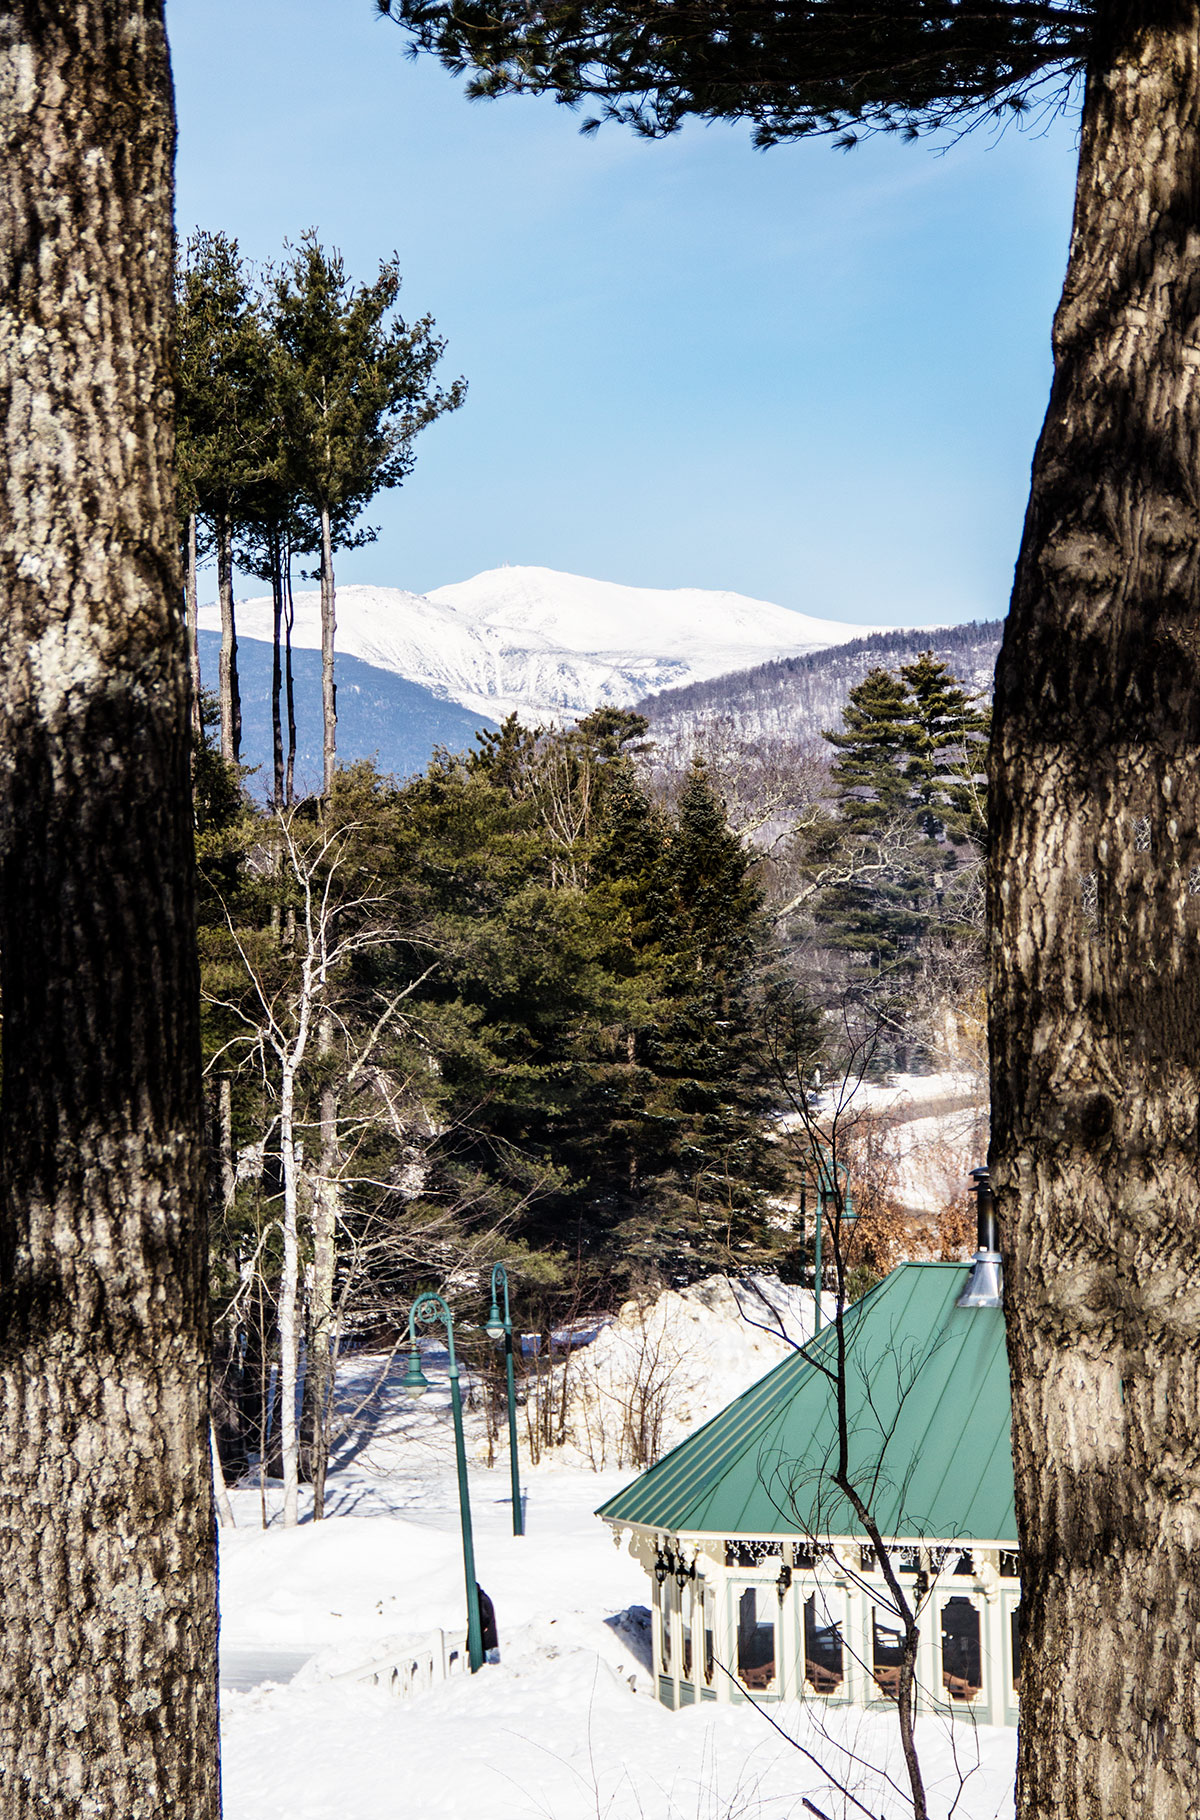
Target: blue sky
x: 809, y: 376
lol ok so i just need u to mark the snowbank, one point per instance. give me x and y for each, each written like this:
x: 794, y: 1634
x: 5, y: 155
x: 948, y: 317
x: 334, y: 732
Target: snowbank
x: 662, y: 1368
x: 566, y: 1727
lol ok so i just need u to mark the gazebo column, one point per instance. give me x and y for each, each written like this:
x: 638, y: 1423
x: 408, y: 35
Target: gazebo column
x: 994, y: 1645
x: 726, y: 1638
x: 929, y: 1655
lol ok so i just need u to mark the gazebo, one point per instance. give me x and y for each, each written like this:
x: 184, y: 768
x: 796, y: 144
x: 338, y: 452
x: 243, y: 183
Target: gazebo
x: 763, y: 1584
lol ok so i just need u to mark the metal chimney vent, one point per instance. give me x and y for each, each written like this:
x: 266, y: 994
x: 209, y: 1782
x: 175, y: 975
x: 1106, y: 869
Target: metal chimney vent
x: 985, y: 1285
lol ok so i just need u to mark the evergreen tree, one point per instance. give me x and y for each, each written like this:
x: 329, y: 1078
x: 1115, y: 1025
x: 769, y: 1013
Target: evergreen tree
x: 273, y: 526
x: 578, y: 1067
x: 709, y: 1100
x: 876, y: 912
x: 909, y: 799
x: 224, y: 436
x: 357, y: 387
x: 597, y: 1005
x: 869, y: 772
x: 947, y: 746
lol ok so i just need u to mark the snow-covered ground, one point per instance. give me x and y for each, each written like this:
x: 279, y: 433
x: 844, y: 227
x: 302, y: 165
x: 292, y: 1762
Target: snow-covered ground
x: 927, y: 1133
x: 565, y: 1727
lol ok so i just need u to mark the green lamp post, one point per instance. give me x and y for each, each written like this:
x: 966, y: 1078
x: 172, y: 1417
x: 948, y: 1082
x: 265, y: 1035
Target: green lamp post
x: 827, y: 1191
x: 500, y: 1327
x: 429, y: 1308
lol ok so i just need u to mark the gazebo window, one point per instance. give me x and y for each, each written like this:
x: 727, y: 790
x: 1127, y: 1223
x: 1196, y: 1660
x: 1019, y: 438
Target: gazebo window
x: 962, y: 1653
x: 708, y: 1599
x: 750, y: 1554
x: 756, y: 1638
x: 887, y: 1655
x: 905, y: 1560
x: 822, y: 1646
x: 667, y: 1596
x: 687, y: 1613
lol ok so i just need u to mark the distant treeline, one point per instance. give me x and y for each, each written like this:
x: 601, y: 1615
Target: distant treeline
x: 800, y: 697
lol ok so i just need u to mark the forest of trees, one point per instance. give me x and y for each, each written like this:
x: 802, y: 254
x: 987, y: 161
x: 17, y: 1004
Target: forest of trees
x: 794, y: 699
x: 532, y: 1005
x: 513, y: 1003
x: 299, y: 395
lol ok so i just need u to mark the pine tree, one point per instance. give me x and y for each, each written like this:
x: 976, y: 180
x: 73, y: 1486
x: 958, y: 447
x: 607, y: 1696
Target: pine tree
x: 597, y: 1007
x: 869, y: 773
x: 273, y: 525
x: 911, y: 805
x: 357, y: 387
x: 225, y: 442
x: 876, y: 912
x: 947, y: 746
x: 708, y: 1102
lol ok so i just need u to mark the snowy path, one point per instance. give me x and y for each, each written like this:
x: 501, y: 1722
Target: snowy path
x: 566, y: 1726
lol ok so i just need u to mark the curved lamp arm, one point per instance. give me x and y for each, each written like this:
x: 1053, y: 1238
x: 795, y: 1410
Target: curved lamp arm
x: 427, y: 1309
x: 498, y: 1325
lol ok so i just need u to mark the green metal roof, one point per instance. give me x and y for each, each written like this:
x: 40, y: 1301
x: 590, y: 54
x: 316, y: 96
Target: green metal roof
x: 929, y: 1418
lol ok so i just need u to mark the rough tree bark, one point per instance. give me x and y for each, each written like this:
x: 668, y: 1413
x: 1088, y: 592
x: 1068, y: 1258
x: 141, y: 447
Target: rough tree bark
x: 328, y: 627
x: 227, y: 671
x: 276, y: 669
x: 289, y: 619
x: 193, y: 628
x: 318, y: 1377
x: 1095, y: 891
x: 107, y: 1573
x: 289, y: 1284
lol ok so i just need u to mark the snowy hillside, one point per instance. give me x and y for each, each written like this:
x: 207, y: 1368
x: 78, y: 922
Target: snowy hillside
x: 794, y: 699
x: 547, y: 645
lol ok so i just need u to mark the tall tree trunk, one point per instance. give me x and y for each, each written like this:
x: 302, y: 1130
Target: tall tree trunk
x: 225, y: 1142
x: 193, y: 629
x: 255, y: 1368
x: 276, y: 674
x: 328, y: 627
x: 231, y: 702
x: 318, y: 1377
x: 289, y: 1279
x: 289, y: 619
x: 107, y: 1571
x: 1095, y: 900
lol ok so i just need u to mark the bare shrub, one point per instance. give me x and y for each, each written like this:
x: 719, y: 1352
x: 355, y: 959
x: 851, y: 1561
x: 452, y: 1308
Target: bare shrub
x: 629, y: 1385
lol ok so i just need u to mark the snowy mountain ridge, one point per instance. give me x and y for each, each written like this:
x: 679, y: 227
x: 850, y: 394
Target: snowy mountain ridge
x: 546, y: 645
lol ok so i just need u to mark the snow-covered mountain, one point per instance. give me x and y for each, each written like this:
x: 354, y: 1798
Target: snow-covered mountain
x: 547, y: 645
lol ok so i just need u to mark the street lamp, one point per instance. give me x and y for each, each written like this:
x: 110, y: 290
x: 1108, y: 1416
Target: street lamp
x: 429, y: 1308
x: 500, y: 1328
x: 828, y: 1169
